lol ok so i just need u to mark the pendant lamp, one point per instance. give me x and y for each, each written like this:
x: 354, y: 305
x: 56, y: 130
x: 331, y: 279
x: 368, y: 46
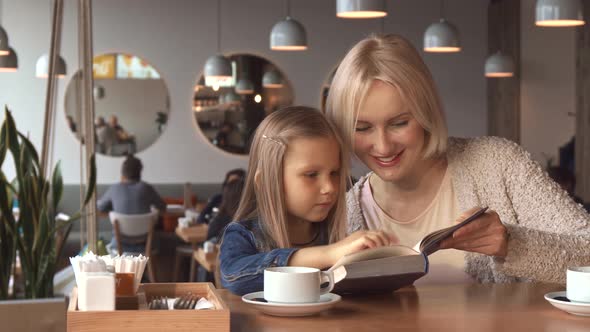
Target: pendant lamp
x: 4, y: 48
x: 231, y: 97
x: 559, y: 13
x: 272, y: 79
x: 217, y: 67
x: 360, y: 8
x: 42, y: 67
x: 499, y: 65
x: 244, y: 85
x: 442, y: 36
x: 288, y: 34
x: 9, y: 63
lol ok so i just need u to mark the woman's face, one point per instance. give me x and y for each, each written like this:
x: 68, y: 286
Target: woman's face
x: 387, y: 138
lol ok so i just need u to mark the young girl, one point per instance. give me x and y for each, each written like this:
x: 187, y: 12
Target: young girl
x: 293, y: 208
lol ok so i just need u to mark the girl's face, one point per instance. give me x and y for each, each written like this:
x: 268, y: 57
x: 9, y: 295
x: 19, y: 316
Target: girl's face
x: 388, y: 139
x: 311, y: 177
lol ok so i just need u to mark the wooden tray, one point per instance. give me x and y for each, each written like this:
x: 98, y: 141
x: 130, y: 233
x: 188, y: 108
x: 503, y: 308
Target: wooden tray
x: 146, y: 320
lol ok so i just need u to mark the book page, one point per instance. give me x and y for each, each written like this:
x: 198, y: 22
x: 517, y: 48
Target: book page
x: 431, y: 242
x: 375, y: 253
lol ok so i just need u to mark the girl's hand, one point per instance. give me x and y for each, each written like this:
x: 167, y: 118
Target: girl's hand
x: 486, y: 235
x: 358, y: 241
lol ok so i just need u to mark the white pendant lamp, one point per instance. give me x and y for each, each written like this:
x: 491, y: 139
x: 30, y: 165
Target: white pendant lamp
x: 499, y: 65
x: 559, y: 13
x: 42, y: 67
x: 442, y: 36
x: 9, y: 63
x: 217, y: 67
x: 272, y: 79
x: 360, y: 8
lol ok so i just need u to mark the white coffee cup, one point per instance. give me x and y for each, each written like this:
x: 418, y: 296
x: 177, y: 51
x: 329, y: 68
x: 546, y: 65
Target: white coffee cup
x: 578, y: 284
x: 293, y: 284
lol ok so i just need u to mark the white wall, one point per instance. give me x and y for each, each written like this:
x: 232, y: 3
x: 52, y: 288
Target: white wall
x: 177, y: 36
x: 548, y: 90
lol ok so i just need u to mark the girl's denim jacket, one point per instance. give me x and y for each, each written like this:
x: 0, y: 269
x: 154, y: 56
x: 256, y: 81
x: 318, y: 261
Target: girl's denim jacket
x: 244, y: 255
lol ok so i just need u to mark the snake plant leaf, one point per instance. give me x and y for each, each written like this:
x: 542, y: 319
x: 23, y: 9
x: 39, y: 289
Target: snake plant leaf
x: 57, y: 185
x: 3, y: 144
x: 31, y: 148
x: 91, y: 179
x: 42, y: 234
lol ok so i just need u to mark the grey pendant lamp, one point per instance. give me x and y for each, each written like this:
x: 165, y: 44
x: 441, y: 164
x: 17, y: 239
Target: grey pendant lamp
x: 217, y: 68
x: 231, y: 97
x: 244, y: 85
x: 42, y: 67
x: 4, y: 48
x: 288, y: 34
x: 9, y: 63
x: 272, y: 79
x: 360, y: 8
x: 499, y: 65
x: 442, y: 36
x: 559, y: 13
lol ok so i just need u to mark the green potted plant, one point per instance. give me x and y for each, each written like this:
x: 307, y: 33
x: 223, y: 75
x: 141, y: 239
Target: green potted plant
x: 36, y: 236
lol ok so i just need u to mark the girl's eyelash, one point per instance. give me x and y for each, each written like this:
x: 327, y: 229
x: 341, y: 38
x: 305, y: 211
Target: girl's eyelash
x: 401, y: 123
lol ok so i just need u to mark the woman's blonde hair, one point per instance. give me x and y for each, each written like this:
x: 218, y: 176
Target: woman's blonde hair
x: 263, y: 196
x: 393, y: 60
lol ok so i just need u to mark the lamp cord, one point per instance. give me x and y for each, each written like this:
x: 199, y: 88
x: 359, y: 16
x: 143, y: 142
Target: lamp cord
x: 442, y: 9
x: 218, y: 26
x: 288, y: 3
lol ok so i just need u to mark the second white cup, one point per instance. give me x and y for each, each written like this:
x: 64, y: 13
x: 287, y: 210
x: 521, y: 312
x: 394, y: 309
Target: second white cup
x: 578, y: 284
x: 293, y: 284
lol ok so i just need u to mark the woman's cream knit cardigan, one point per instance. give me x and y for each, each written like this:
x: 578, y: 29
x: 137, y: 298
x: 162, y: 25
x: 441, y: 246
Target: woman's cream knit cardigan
x: 547, y: 230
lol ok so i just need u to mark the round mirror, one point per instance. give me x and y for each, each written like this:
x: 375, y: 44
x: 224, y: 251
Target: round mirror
x: 229, y: 111
x: 131, y: 104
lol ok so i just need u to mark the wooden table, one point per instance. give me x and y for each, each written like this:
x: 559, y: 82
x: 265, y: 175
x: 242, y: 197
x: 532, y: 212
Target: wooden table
x: 193, y: 234
x: 463, y: 307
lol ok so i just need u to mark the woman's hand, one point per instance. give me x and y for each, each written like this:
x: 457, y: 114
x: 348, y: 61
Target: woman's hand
x: 360, y: 240
x: 486, y: 235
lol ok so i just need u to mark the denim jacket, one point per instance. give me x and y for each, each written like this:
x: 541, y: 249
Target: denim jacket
x: 244, y: 255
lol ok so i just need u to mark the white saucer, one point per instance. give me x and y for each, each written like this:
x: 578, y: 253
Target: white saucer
x: 327, y: 301
x: 574, y: 308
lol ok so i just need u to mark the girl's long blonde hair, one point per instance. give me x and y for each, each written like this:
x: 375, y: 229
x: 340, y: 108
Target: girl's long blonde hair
x: 263, y: 196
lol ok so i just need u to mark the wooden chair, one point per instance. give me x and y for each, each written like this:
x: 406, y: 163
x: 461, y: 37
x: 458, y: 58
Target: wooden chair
x: 210, y: 262
x: 139, y: 227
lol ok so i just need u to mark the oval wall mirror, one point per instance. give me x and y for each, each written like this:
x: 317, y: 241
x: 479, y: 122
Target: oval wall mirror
x: 131, y: 104
x: 228, y: 112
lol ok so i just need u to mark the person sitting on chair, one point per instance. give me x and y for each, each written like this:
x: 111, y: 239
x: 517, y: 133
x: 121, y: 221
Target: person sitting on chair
x: 130, y: 196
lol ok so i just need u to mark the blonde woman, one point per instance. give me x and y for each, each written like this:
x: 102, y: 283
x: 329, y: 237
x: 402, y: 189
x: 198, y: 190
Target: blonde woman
x: 386, y: 107
x: 293, y: 208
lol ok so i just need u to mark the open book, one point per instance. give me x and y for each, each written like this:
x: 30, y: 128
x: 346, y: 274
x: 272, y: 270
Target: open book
x: 390, y: 268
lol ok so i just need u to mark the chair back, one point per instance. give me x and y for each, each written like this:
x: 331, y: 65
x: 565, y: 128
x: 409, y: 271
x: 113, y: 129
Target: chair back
x: 134, y: 224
